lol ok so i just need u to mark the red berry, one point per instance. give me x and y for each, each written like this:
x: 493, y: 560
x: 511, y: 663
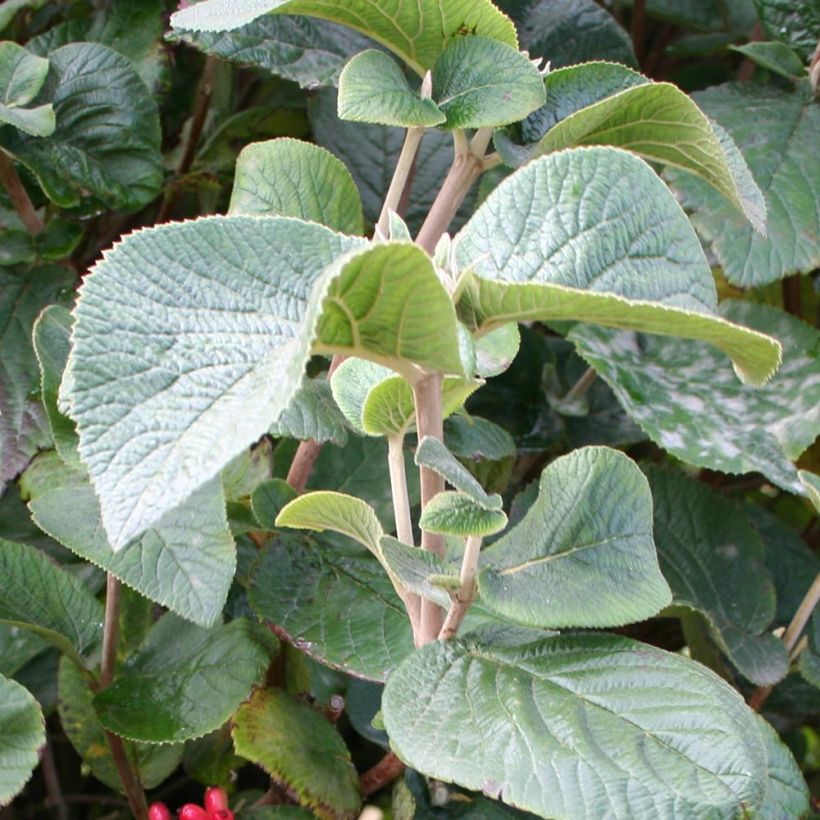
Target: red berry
x: 159, y: 811
x: 221, y: 814
x: 215, y: 800
x: 190, y: 811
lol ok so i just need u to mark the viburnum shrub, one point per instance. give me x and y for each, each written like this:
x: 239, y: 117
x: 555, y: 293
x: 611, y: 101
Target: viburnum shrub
x: 371, y: 427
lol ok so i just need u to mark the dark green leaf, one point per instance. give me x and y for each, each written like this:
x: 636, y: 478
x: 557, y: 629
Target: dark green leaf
x: 21, y: 77
x: 773, y: 56
x: 22, y: 735
x: 794, y: 22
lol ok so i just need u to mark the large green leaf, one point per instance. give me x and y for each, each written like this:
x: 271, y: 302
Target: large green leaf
x: 795, y: 22
x: 21, y: 77
x: 784, y: 166
x: 373, y: 88
x: 787, y: 794
x: 566, y: 237
x: 106, y: 144
x: 587, y: 537
x: 578, y: 727
x: 185, y: 681
x: 312, y: 414
x: 186, y: 562
x: 22, y: 735
x: 334, y: 604
x: 40, y: 596
x: 287, y: 177
x: 301, y: 751
x: 418, y: 32
x: 684, y: 395
x: 702, y: 537
x: 23, y: 427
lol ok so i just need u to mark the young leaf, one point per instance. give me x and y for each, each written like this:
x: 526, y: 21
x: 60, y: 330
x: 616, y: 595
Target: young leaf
x: 583, y: 555
x: 685, y: 396
x: 185, y: 681
x: 40, y: 596
x: 22, y: 735
x: 566, y: 238
x: 773, y: 56
x: 592, y: 726
x: 701, y: 537
x: 301, y: 751
x: 373, y: 88
x: 478, y: 82
x: 21, y: 77
x: 186, y: 562
x: 495, y: 352
x: 313, y: 414
x: 287, y: 177
x: 418, y: 32
x: 785, y: 168
x: 337, y: 606
x: 455, y: 513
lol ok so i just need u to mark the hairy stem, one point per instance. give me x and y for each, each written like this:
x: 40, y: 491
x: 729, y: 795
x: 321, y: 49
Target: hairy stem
x: 302, y: 465
x: 466, y: 590
x: 18, y: 195
x: 384, y: 772
x: 582, y: 385
x: 401, y: 175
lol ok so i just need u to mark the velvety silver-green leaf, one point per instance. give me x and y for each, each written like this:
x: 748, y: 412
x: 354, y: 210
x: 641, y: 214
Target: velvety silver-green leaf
x: 685, y: 396
x: 795, y: 22
x: 106, y: 144
x: 23, y: 426
x: 773, y: 56
x: 22, y: 75
x: 313, y: 415
x: 583, y: 555
x: 302, y: 752
x: 479, y: 82
x: 786, y: 170
x: 566, y: 238
x: 185, y: 681
x: 455, y: 513
x: 351, y: 383
x: 287, y: 177
x: 787, y: 794
x: 495, y: 352
x: 40, y: 596
x: 186, y: 562
x: 582, y: 726
x: 402, y: 27
x: 702, y: 537
x: 22, y: 735
x: 336, y: 605
x: 373, y: 88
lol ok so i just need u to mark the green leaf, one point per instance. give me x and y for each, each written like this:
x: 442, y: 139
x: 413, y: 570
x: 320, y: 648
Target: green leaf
x: 23, y: 427
x: 287, y: 177
x: 401, y: 27
x: 11, y: 7
x: 154, y: 763
x: 455, y: 513
x: 301, y: 751
x: 185, y: 681
x: 784, y: 168
x: 794, y: 22
x: 313, y: 415
x: 21, y: 77
x: 592, y: 726
x: 22, y: 735
x: 583, y: 555
x: 811, y: 484
x: 186, y: 562
x: 17, y: 648
x: 702, y: 537
x: 495, y: 352
x: 373, y: 88
x: 685, y: 396
x: 268, y: 500
x: 774, y: 57
x: 479, y: 82
x: 787, y: 794
x: 106, y: 145
x: 351, y: 384
x: 40, y: 596
x: 336, y: 605
x: 566, y: 238
x: 16, y: 247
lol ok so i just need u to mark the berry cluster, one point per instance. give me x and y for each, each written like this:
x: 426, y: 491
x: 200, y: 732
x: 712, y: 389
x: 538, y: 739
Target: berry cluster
x: 216, y: 808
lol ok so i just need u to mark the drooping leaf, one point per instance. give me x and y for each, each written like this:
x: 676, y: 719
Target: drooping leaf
x: 336, y: 605
x: 185, y: 681
x: 301, y: 751
x: 479, y: 82
x: 22, y: 75
x: 578, y: 726
x: 22, y: 735
x: 400, y: 26
x: 106, y: 144
x: 566, y: 238
x: 783, y: 166
x: 313, y: 414
x: 773, y: 56
x: 287, y: 177
x: 373, y: 88
x: 153, y: 762
x: 23, y: 427
x: 794, y: 22
x: 40, y: 596
x: 702, y: 537
x: 685, y: 396
x: 456, y: 513
x: 186, y: 562
x: 587, y: 537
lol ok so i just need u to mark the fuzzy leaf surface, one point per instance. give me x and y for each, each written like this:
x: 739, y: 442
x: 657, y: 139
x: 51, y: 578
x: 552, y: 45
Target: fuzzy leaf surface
x: 22, y: 735
x: 313, y: 414
x: 456, y: 513
x: 787, y: 794
x: 22, y: 75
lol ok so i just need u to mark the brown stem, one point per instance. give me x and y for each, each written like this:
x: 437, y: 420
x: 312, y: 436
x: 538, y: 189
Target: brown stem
x: 384, y: 772
x: 302, y: 465
x: 791, y: 295
x: 56, y: 800
x: 18, y: 195
x: 466, y: 590
x: 582, y: 385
